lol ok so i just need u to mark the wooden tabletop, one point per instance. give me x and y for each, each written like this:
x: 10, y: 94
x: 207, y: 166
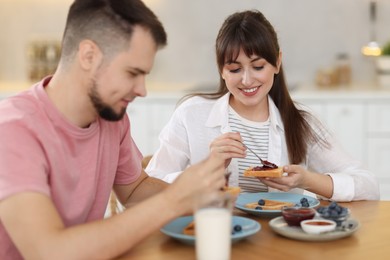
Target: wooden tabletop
x: 371, y: 241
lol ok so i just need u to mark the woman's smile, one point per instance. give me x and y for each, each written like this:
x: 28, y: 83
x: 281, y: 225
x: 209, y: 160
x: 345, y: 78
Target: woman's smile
x: 250, y: 91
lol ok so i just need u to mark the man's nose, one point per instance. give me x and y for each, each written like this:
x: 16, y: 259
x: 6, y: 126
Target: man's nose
x: 140, y: 87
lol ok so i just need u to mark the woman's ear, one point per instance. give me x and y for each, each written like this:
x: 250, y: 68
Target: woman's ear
x: 222, y: 74
x: 278, y: 62
x: 89, y: 54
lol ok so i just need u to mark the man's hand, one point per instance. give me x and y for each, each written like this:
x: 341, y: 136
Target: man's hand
x: 206, y: 177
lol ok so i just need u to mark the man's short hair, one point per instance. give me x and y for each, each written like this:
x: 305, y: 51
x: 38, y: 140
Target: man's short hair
x: 109, y: 24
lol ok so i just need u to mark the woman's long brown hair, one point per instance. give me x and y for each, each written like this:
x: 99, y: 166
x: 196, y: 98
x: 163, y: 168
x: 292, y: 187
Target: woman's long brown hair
x: 252, y: 32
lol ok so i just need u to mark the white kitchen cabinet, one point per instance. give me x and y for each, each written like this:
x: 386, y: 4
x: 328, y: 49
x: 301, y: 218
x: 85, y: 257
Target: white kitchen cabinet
x: 347, y: 121
x: 378, y: 152
x: 379, y: 155
x: 139, y: 116
x: 147, y: 118
x: 379, y: 117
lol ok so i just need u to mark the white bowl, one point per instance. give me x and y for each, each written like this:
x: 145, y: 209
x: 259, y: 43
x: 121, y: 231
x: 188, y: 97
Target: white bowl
x: 318, y: 226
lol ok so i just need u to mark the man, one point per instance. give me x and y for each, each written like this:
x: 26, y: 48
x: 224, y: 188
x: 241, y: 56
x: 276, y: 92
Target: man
x: 66, y: 143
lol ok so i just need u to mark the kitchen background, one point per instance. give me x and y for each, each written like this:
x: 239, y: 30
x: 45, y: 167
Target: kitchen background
x: 313, y: 34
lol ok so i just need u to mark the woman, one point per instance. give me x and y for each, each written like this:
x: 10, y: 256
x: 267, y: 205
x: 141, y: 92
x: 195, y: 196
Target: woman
x: 253, y: 106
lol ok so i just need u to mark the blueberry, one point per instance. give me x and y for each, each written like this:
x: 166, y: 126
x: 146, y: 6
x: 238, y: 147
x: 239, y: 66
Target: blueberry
x: 258, y: 207
x: 321, y: 210
x: 325, y: 214
x: 261, y: 202
x: 344, y: 212
x: 305, y: 204
x: 237, y: 228
x: 333, y: 205
x: 333, y: 213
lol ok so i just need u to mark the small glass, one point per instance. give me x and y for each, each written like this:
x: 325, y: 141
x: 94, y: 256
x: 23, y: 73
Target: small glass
x: 213, y: 221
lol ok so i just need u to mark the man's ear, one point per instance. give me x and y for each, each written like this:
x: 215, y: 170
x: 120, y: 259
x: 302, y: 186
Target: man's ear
x: 89, y: 54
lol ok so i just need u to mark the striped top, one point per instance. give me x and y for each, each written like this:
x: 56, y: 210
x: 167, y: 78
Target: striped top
x: 255, y: 136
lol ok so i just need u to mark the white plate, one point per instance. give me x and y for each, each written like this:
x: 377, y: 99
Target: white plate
x: 245, y: 198
x: 174, y: 229
x: 280, y: 226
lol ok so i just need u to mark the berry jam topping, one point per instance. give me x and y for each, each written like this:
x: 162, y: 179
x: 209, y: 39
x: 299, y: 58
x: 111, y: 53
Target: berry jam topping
x: 265, y: 167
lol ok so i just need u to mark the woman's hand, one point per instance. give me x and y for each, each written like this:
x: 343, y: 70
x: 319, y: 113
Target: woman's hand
x: 298, y: 177
x: 295, y: 178
x: 230, y: 144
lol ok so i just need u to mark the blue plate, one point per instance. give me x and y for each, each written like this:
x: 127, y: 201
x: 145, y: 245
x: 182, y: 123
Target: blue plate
x: 174, y: 229
x: 245, y: 198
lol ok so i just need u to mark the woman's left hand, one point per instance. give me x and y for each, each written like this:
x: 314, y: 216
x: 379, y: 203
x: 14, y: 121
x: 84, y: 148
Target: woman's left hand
x: 298, y: 177
x: 295, y: 178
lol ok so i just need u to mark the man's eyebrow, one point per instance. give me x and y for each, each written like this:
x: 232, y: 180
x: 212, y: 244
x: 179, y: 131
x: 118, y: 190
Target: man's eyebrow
x: 138, y: 70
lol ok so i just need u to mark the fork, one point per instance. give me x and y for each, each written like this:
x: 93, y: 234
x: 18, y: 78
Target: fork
x: 263, y: 162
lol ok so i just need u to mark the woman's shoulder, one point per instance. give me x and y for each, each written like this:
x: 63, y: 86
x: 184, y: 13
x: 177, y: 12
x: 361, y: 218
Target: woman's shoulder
x: 196, y: 101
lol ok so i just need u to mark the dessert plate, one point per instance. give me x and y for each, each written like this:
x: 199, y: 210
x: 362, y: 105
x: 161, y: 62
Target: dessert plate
x: 280, y: 226
x: 245, y: 198
x: 174, y: 229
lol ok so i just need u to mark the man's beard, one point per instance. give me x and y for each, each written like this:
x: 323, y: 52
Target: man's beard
x: 104, y: 110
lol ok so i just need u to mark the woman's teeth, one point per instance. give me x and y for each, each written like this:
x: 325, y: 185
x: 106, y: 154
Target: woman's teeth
x: 249, y: 90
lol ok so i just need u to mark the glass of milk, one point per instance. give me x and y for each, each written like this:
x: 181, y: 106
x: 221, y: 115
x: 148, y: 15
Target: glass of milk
x: 213, y: 227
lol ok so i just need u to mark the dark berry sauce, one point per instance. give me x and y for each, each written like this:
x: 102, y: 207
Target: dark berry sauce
x: 269, y: 166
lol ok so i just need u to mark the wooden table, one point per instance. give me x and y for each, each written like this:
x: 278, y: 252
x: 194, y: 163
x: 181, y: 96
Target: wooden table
x: 371, y: 241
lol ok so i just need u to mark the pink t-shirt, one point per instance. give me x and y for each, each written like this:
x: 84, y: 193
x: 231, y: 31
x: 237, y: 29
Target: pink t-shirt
x: 41, y: 151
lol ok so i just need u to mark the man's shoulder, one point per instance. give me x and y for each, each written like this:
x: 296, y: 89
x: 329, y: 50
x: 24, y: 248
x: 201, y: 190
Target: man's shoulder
x: 18, y: 107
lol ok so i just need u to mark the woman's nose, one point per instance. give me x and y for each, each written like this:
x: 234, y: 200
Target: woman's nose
x: 247, y: 78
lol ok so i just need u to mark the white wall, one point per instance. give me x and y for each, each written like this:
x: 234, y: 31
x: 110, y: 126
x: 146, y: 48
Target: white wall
x: 311, y: 33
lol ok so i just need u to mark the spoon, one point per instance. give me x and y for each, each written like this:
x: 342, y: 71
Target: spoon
x: 263, y: 162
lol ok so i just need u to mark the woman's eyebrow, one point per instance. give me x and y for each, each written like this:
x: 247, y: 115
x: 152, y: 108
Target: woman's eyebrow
x: 232, y: 62
x: 237, y: 62
x: 256, y: 59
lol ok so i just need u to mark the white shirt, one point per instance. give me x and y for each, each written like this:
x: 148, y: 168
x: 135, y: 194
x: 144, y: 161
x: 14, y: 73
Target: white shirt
x: 198, y: 121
